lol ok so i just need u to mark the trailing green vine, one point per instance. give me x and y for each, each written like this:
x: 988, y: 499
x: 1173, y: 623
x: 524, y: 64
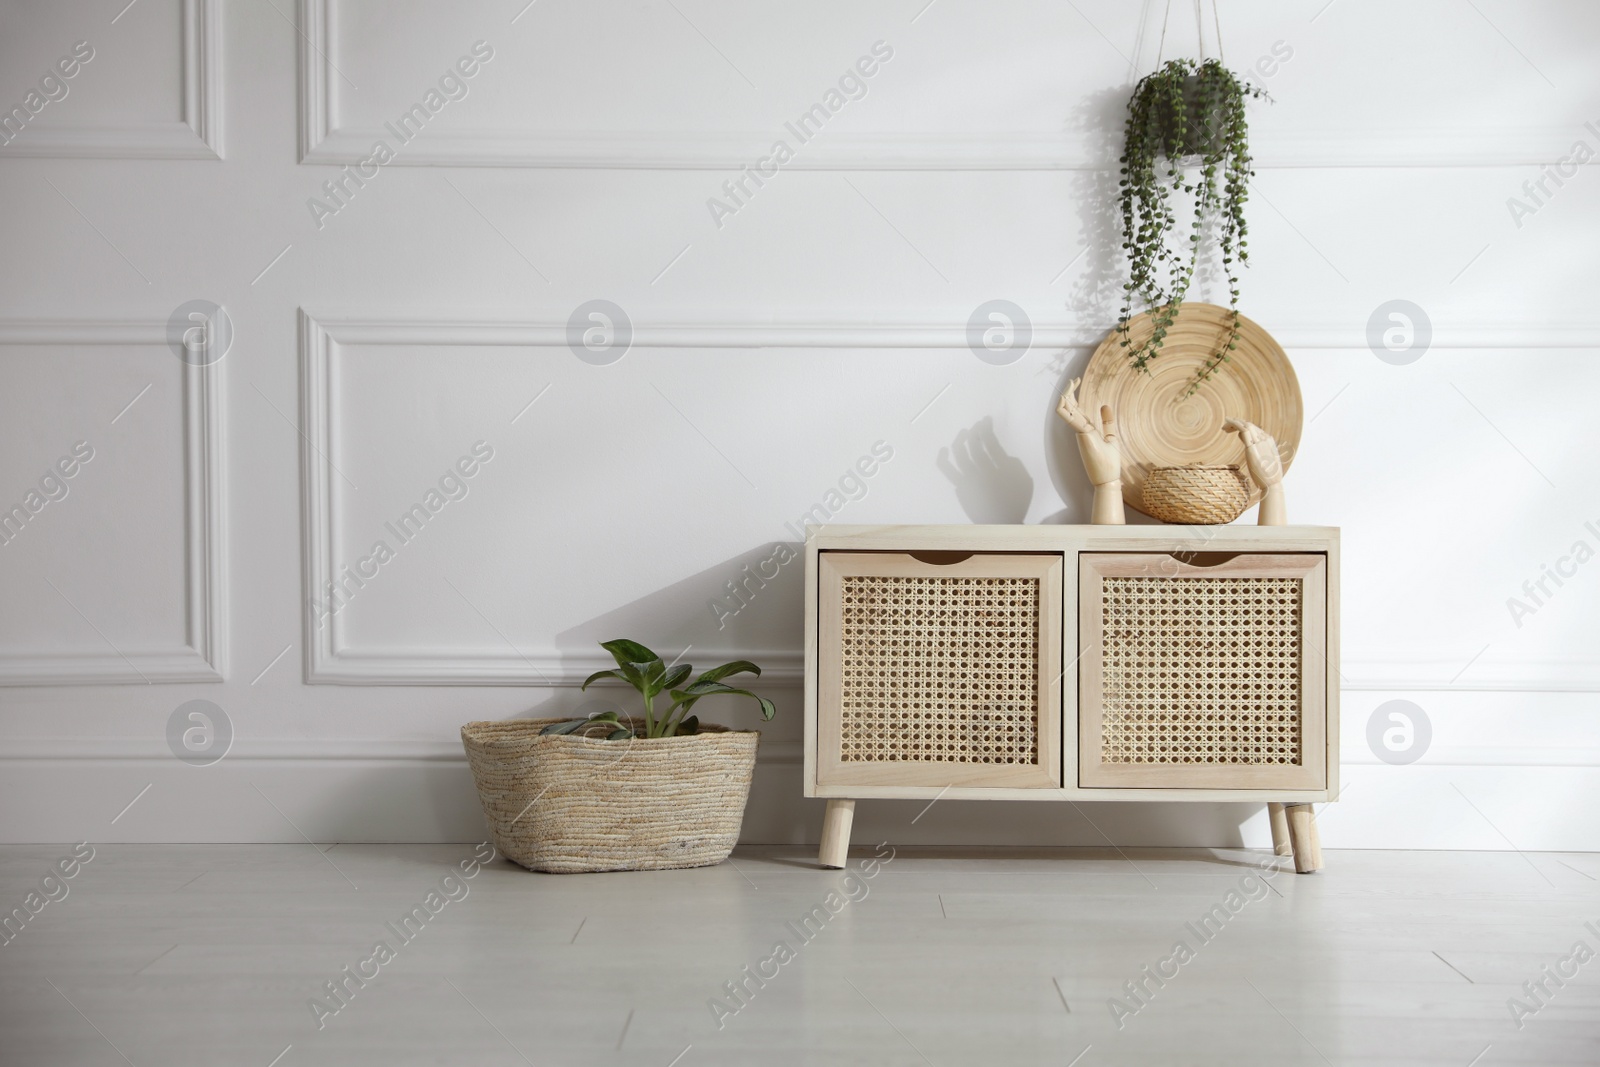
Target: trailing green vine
x: 1183, y: 112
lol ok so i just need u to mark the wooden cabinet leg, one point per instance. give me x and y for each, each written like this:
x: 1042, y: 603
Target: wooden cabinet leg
x: 1303, y: 836
x: 1280, y: 830
x: 836, y: 821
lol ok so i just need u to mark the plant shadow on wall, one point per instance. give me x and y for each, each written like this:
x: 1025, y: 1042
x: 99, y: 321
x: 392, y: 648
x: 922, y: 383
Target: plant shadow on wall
x: 749, y: 603
x: 991, y: 486
x: 1098, y: 277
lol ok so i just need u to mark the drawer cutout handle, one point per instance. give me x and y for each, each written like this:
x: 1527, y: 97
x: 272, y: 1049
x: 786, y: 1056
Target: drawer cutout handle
x: 1205, y: 559
x: 941, y: 559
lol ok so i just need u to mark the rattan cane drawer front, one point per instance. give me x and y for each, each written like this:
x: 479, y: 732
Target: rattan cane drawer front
x: 939, y: 673
x: 1208, y: 677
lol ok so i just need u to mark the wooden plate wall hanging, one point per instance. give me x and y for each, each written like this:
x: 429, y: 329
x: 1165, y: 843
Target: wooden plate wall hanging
x: 1159, y: 423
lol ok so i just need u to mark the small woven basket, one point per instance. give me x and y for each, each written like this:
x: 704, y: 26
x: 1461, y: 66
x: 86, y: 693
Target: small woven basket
x: 1197, y: 496
x: 567, y: 804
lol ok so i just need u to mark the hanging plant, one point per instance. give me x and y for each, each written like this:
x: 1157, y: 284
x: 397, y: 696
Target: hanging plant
x: 1183, y: 114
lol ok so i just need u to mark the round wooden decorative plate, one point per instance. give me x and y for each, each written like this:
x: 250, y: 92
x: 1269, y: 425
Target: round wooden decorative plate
x: 1158, y: 426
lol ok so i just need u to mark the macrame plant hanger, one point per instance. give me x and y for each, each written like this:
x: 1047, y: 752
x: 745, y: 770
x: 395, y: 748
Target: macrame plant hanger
x: 1199, y: 31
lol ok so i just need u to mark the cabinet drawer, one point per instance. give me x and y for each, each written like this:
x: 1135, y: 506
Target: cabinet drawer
x: 1202, y: 676
x: 939, y: 669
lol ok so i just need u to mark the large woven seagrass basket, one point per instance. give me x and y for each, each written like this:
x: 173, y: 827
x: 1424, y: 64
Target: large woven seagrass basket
x: 568, y: 804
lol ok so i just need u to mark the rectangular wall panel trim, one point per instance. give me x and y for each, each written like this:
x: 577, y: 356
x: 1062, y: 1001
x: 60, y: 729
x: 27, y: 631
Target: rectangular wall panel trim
x: 202, y: 658
x: 645, y: 150
x: 198, y: 135
x: 889, y: 332
x: 322, y: 332
x: 327, y: 660
x: 322, y: 140
x: 1489, y: 752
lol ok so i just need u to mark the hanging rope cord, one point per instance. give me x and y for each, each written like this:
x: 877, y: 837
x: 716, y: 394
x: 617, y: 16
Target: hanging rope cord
x: 1199, y: 30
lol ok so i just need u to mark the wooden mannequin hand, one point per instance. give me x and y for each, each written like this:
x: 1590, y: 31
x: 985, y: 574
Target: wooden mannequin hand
x: 1260, y: 452
x: 1102, y: 460
x: 1266, y: 467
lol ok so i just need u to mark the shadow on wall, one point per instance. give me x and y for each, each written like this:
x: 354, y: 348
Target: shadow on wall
x: 750, y: 603
x: 1096, y: 295
x: 991, y: 486
x: 1095, y: 298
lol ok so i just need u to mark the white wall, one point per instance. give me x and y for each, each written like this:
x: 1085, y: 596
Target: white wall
x: 827, y: 313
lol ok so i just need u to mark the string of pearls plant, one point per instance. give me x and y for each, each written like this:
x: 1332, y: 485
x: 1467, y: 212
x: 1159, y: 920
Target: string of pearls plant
x: 1185, y: 114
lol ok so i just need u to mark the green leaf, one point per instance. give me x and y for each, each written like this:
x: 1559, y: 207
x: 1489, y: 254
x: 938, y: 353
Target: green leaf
x: 619, y: 735
x: 603, y: 716
x: 597, y: 675
x: 564, y: 727
x: 630, y: 673
x: 676, y: 676
x: 637, y: 665
x: 627, y: 652
x: 689, y: 727
x: 738, y: 666
x: 655, y: 673
x: 700, y: 689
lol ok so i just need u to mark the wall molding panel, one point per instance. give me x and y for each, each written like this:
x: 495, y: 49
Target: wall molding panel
x: 198, y: 135
x: 202, y: 656
x: 364, y: 750
x: 324, y: 141
x: 879, y: 332
x: 772, y: 753
x: 315, y: 70
x: 1547, y: 738
x: 1562, y: 676
x: 330, y: 661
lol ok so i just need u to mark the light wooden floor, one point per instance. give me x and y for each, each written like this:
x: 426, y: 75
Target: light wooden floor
x: 167, y: 956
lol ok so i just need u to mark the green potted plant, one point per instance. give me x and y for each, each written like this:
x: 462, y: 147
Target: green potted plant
x: 1186, y: 132
x: 612, y: 792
